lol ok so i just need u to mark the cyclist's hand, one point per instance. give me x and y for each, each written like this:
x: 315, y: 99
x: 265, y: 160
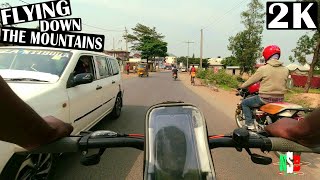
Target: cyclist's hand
x: 61, y: 129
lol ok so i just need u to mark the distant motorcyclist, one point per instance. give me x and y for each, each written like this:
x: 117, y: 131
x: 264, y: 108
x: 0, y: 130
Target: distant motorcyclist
x: 273, y: 78
x: 174, y: 71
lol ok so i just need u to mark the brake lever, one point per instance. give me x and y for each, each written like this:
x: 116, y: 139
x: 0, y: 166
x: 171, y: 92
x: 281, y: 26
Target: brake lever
x: 92, y: 159
x: 83, y: 146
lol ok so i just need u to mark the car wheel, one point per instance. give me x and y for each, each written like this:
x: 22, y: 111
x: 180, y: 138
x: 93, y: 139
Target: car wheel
x: 29, y: 167
x: 117, y: 108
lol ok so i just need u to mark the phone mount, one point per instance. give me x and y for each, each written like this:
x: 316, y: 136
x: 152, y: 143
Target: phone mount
x: 241, y: 137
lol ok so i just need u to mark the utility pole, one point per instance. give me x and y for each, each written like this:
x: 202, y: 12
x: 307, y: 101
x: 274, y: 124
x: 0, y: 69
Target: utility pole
x: 188, y: 55
x: 201, y: 48
x: 126, y: 34
x: 113, y: 44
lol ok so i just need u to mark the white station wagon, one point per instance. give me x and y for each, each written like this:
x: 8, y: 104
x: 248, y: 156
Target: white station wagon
x: 78, y: 87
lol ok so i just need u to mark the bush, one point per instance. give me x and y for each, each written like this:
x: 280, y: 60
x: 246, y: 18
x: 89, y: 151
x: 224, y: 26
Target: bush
x: 202, y: 74
x: 226, y: 79
x: 240, y: 79
x: 222, y: 78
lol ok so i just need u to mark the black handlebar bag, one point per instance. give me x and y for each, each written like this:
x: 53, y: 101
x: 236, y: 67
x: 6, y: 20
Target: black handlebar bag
x: 176, y: 143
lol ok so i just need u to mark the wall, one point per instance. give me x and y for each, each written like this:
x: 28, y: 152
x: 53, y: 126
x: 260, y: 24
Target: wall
x: 171, y: 60
x: 230, y: 71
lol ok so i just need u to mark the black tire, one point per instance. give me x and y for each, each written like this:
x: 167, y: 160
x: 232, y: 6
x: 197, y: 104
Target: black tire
x: 16, y: 170
x: 116, y: 112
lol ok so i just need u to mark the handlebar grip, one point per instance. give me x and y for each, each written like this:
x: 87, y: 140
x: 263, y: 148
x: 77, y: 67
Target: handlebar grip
x: 64, y: 145
x: 284, y: 145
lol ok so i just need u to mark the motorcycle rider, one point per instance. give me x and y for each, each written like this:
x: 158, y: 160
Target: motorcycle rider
x: 174, y: 71
x: 272, y: 77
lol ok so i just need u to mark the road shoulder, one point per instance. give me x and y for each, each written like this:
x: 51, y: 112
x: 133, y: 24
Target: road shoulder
x: 225, y: 101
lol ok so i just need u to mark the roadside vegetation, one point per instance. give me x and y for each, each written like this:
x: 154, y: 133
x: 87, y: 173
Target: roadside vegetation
x: 221, y: 79
x: 228, y: 82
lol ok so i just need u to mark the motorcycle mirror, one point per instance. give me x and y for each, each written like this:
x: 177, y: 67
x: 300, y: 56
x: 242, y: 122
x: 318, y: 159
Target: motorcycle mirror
x: 258, y: 159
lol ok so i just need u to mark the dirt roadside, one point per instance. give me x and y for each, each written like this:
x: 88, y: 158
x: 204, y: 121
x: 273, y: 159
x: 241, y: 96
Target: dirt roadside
x: 225, y: 101
x: 126, y: 76
x: 307, y: 99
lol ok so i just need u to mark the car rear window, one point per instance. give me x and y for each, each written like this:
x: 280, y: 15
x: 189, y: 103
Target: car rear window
x: 46, y: 61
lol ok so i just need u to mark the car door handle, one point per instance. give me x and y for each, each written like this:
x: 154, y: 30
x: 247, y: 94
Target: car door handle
x: 113, y: 82
x: 98, y: 87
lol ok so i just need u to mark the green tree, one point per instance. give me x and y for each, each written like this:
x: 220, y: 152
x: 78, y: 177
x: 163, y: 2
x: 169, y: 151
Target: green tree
x: 307, y: 46
x: 147, y: 41
x: 182, y: 60
x: 230, y: 61
x: 246, y: 45
x: 151, y: 47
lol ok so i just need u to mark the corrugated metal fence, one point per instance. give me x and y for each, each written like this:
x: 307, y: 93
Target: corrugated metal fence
x: 300, y: 81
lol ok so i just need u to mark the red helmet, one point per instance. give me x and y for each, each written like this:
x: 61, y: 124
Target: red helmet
x: 271, y: 50
x: 254, y: 88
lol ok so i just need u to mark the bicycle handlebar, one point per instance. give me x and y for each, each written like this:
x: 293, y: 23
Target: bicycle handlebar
x: 280, y: 144
x: 73, y: 144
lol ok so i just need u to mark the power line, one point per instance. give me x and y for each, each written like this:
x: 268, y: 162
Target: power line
x: 113, y: 30
x: 233, y: 8
x: 24, y: 1
x: 218, y: 20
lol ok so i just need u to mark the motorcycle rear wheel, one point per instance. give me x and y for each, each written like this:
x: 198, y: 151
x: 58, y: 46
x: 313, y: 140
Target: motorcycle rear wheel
x: 239, y: 119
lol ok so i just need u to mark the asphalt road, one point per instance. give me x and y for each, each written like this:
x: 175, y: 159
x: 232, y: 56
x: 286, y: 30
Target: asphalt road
x: 126, y: 163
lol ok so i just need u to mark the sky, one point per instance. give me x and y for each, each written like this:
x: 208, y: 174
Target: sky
x: 178, y: 20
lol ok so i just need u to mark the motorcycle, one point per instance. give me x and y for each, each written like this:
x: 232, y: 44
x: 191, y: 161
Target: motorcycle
x: 176, y: 144
x: 268, y: 113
